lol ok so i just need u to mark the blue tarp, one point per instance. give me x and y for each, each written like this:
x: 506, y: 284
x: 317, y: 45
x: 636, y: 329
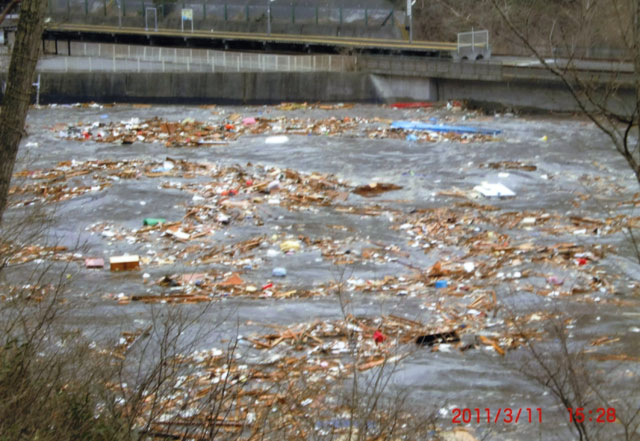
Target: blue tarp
x: 416, y: 125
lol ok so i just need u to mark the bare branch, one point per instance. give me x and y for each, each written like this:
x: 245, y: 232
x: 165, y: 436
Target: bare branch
x: 6, y: 10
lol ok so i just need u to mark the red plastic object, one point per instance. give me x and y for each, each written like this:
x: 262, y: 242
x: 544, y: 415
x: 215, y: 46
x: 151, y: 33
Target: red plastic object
x: 229, y: 126
x: 231, y: 192
x: 379, y: 337
x: 412, y: 105
x: 249, y: 183
x: 267, y: 286
x: 582, y: 261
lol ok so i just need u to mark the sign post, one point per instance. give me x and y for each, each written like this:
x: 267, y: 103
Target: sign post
x: 187, y: 14
x: 146, y: 18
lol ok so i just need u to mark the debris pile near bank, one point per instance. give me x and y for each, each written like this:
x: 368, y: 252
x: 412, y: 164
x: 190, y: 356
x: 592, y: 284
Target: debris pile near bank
x: 192, y: 133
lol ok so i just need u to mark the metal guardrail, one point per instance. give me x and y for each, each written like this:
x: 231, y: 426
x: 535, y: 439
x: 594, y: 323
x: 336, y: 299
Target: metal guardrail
x: 413, y: 66
x: 102, y: 57
x: 590, y: 77
x: 473, y: 45
x: 74, y: 31
x: 488, y: 70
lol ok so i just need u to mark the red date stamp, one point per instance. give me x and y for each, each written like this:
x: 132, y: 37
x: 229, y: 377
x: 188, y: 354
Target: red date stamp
x: 599, y: 415
x: 508, y: 415
x: 505, y: 415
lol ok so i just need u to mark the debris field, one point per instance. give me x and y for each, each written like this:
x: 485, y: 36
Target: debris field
x: 468, y: 258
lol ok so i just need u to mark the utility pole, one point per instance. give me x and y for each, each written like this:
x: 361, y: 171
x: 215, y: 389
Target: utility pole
x: 410, y: 4
x: 269, y: 16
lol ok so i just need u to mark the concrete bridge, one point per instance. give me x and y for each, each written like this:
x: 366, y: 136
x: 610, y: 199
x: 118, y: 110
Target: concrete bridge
x: 243, y: 41
x: 359, y: 70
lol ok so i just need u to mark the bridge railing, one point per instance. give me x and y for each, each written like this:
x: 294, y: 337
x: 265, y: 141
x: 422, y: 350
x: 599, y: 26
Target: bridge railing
x: 101, y: 57
x: 425, y: 67
x: 220, y: 15
x: 473, y: 45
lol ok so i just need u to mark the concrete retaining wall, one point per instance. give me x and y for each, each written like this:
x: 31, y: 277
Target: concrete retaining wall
x: 198, y: 88
x: 525, y: 95
x: 276, y: 87
x: 389, y: 88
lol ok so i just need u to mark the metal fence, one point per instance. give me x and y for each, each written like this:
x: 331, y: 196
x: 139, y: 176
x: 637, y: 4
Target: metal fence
x: 99, y: 57
x: 208, y: 14
x: 473, y: 43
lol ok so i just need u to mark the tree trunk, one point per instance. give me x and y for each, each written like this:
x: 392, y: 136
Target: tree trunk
x: 636, y: 68
x: 18, y: 93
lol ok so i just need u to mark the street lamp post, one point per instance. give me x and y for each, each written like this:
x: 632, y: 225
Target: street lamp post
x: 410, y: 4
x: 269, y: 16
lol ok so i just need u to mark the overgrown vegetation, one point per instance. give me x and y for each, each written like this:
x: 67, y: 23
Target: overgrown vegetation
x: 562, y: 20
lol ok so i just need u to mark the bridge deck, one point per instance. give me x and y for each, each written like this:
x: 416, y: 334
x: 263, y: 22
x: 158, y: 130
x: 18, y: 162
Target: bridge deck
x: 78, y: 32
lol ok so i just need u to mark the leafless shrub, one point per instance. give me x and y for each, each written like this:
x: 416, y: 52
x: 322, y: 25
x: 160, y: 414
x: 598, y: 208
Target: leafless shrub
x: 588, y: 383
x: 160, y: 383
x: 48, y: 373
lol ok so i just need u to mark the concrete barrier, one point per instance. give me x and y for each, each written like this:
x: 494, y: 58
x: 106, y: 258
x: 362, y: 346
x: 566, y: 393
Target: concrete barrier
x: 199, y: 88
x: 276, y: 87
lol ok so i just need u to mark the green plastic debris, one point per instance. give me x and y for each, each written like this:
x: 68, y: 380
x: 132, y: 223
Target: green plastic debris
x: 151, y: 221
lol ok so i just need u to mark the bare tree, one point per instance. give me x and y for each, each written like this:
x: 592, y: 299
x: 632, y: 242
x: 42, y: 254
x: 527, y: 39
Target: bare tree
x: 575, y: 378
x: 600, y: 96
x: 18, y: 93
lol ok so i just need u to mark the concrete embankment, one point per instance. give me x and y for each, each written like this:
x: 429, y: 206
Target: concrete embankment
x: 276, y: 87
x: 198, y: 88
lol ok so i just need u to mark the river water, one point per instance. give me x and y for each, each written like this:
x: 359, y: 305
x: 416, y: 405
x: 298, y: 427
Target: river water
x: 577, y: 173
